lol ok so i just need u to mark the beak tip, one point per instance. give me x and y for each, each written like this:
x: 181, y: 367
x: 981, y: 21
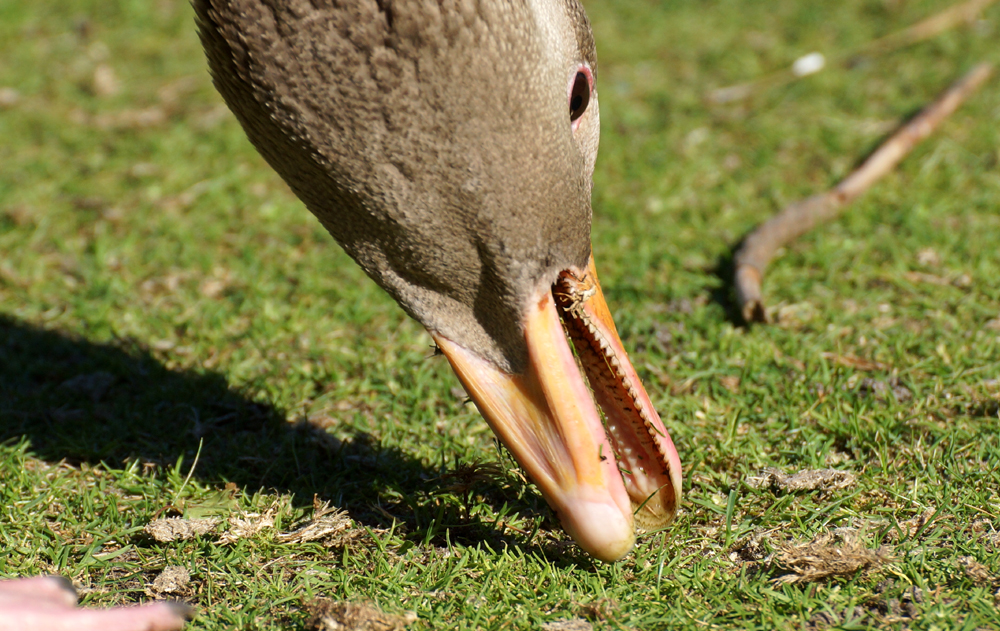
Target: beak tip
x: 600, y: 528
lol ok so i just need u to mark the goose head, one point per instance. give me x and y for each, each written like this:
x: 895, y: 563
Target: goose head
x: 449, y: 147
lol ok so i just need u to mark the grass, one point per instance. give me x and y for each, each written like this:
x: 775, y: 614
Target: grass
x: 163, y: 296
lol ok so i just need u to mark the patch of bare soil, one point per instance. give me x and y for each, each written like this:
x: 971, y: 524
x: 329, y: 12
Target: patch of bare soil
x: 329, y: 615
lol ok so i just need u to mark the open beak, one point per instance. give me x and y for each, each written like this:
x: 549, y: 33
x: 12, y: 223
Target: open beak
x: 602, y: 478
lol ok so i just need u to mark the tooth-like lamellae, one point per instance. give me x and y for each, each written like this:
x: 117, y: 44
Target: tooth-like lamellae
x: 643, y: 466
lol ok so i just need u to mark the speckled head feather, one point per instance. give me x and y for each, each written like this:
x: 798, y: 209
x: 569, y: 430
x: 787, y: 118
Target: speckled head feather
x: 430, y: 137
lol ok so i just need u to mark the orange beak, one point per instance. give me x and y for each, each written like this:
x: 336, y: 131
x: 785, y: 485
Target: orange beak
x: 602, y: 479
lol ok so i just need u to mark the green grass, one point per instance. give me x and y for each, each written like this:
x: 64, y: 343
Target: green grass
x: 161, y: 292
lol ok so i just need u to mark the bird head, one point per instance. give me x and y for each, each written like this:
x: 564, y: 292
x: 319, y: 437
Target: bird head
x: 449, y: 148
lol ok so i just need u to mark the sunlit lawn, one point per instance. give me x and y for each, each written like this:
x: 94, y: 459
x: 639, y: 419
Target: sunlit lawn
x: 162, y: 292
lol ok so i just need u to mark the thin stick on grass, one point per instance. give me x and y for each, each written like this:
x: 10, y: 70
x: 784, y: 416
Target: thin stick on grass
x: 798, y: 218
x: 951, y: 17
x: 812, y: 63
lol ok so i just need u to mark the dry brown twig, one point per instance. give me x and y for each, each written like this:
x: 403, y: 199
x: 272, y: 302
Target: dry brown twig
x: 812, y: 63
x: 951, y: 17
x: 798, y: 218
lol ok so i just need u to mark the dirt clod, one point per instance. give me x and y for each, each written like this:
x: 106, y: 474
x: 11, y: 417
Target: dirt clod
x: 573, y: 624
x: 329, y: 615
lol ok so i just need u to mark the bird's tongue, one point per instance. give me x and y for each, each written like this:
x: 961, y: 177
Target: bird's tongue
x: 602, y: 479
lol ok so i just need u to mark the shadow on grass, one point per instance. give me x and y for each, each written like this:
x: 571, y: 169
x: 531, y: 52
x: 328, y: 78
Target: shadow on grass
x: 111, y: 403
x: 725, y: 294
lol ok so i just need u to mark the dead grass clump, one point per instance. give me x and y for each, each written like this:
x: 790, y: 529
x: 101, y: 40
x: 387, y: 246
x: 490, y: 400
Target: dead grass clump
x: 855, y: 362
x: 601, y: 609
x: 883, y: 390
x: 909, y: 528
x: 984, y: 531
x: 975, y: 571
x: 172, y: 581
x: 179, y: 529
x: 248, y: 525
x: 573, y: 624
x: 9, y: 97
x: 808, y: 480
x: 751, y: 549
x: 826, y: 557
x: 329, y: 615
x: 331, y: 525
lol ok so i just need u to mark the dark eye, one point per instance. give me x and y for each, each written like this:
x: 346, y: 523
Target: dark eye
x: 579, y: 96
